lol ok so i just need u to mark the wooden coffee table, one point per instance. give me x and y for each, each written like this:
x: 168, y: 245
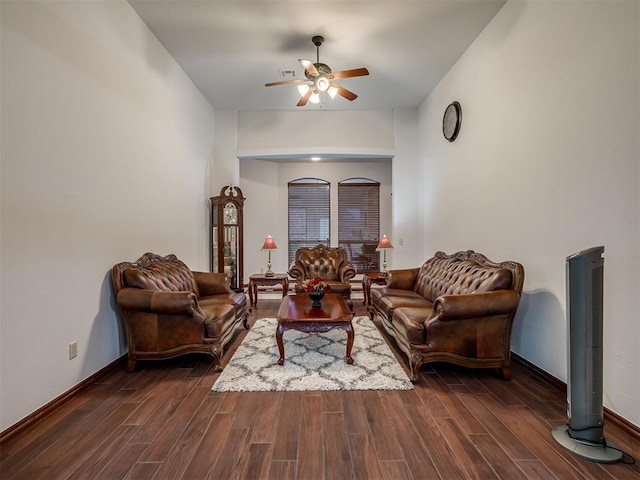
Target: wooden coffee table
x: 297, y: 313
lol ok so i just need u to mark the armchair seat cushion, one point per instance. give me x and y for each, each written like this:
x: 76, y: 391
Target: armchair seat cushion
x: 339, y: 288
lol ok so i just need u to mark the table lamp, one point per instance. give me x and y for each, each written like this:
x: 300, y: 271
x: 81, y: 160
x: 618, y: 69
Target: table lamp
x: 269, y: 244
x: 383, y: 245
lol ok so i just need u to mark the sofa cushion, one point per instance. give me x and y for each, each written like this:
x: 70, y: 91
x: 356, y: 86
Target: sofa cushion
x: 409, y: 323
x: 165, y: 276
x: 378, y: 293
x: 387, y: 304
x: 238, y: 301
x: 219, y: 318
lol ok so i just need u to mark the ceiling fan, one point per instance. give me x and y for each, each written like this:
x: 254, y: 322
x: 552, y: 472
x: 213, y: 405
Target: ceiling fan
x: 320, y: 79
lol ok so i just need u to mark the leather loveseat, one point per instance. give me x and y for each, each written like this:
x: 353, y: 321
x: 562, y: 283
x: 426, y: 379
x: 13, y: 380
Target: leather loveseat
x: 169, y: 310
x: 328, y: 263
x: 456, y: 308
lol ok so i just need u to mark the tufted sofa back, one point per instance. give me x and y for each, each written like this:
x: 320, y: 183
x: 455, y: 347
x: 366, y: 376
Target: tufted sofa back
x: 465, y: 273
x: 154, y: 272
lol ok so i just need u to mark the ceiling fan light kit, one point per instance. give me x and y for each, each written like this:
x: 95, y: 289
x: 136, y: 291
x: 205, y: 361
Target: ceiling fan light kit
x: 320, y: 79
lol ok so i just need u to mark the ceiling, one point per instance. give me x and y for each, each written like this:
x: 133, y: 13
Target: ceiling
x: 231, y: 48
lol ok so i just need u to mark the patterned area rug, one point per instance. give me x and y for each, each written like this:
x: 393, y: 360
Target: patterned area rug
x: 313, y: 361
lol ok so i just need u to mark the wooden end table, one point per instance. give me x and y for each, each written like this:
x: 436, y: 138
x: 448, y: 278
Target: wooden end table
x: 262, y: 279
x: 367, y: 279
x: 297, y: 313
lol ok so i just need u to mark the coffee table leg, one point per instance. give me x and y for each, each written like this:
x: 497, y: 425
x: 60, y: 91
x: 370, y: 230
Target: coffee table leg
x: 350, y: 335
x: 279, y: 331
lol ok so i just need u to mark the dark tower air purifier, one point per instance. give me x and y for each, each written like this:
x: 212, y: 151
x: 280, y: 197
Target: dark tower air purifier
x: 584, y: 434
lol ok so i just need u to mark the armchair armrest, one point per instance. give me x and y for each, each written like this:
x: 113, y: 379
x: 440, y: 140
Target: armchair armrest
x: 455, y: 307
x: 402, y: 279
x: 212, y: 283
x: 346, y: 272
x: 173, y: 303
x: 296, y: 271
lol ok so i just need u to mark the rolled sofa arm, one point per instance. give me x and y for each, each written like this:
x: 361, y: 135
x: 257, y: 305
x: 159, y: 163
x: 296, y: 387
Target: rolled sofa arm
x: 346, y: 273
x: 172, y: 303
x: 296, y: 271
x: 212, y: 283
x: 403, y: 279
x: 455, y: 307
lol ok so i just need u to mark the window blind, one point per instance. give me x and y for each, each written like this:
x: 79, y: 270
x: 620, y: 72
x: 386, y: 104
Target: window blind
x: 359, y: 223
x: 309, y: 221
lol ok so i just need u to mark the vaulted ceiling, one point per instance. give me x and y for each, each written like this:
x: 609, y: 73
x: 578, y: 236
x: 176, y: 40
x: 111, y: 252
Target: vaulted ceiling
x: 231, y: 48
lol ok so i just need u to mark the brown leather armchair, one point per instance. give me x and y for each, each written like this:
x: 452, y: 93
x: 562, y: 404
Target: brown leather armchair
x: 329, y: 263
x: 170, y: 311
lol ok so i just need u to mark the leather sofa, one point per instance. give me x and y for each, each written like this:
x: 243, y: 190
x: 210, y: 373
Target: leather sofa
x: 328, y: 263
x: 455, y: 308
x: 169, y: 310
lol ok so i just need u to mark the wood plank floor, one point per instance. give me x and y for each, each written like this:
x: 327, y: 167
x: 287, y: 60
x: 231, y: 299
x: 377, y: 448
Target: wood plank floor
x: 163, y: 422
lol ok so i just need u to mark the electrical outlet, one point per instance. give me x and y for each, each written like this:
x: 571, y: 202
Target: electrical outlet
x: 73, y: 350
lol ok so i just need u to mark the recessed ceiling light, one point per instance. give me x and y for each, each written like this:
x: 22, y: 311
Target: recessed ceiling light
x: 315, y: 159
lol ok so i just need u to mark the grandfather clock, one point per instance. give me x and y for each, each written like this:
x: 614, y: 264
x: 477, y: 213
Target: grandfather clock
x: 226, y: 235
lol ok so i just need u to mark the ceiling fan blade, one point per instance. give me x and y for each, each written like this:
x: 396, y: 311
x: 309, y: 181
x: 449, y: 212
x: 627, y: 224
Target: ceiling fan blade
x: 348, y: 94
x: 285, y: 82
x: 356, y: 72
x: 305, y: 98
x: 309, y: 67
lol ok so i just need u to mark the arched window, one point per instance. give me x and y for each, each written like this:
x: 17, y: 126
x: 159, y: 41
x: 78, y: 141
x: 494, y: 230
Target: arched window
x: 309, y: 221
x: 359, y: 222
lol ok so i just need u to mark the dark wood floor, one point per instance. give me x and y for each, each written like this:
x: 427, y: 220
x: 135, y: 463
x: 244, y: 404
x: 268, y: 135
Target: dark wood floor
x: 164, y: 422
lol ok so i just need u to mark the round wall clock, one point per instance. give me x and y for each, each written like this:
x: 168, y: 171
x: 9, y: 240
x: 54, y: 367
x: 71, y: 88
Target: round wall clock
x: 451, y: 121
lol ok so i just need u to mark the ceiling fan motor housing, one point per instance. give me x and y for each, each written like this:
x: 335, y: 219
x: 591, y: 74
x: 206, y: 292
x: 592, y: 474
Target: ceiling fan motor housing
x: 322, y: 68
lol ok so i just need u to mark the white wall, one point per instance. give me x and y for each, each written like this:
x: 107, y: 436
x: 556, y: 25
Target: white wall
x: 105, y: 152
x: 225, y: 169
x: 547, y: 164
x: 407, y: 240
x: 321, y: 132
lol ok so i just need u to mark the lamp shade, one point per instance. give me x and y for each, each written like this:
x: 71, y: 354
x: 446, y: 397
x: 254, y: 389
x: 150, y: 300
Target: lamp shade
x: 269, y: 243
x: 384, y: 243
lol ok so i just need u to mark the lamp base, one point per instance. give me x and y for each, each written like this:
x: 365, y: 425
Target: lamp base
x: 269, y: 271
